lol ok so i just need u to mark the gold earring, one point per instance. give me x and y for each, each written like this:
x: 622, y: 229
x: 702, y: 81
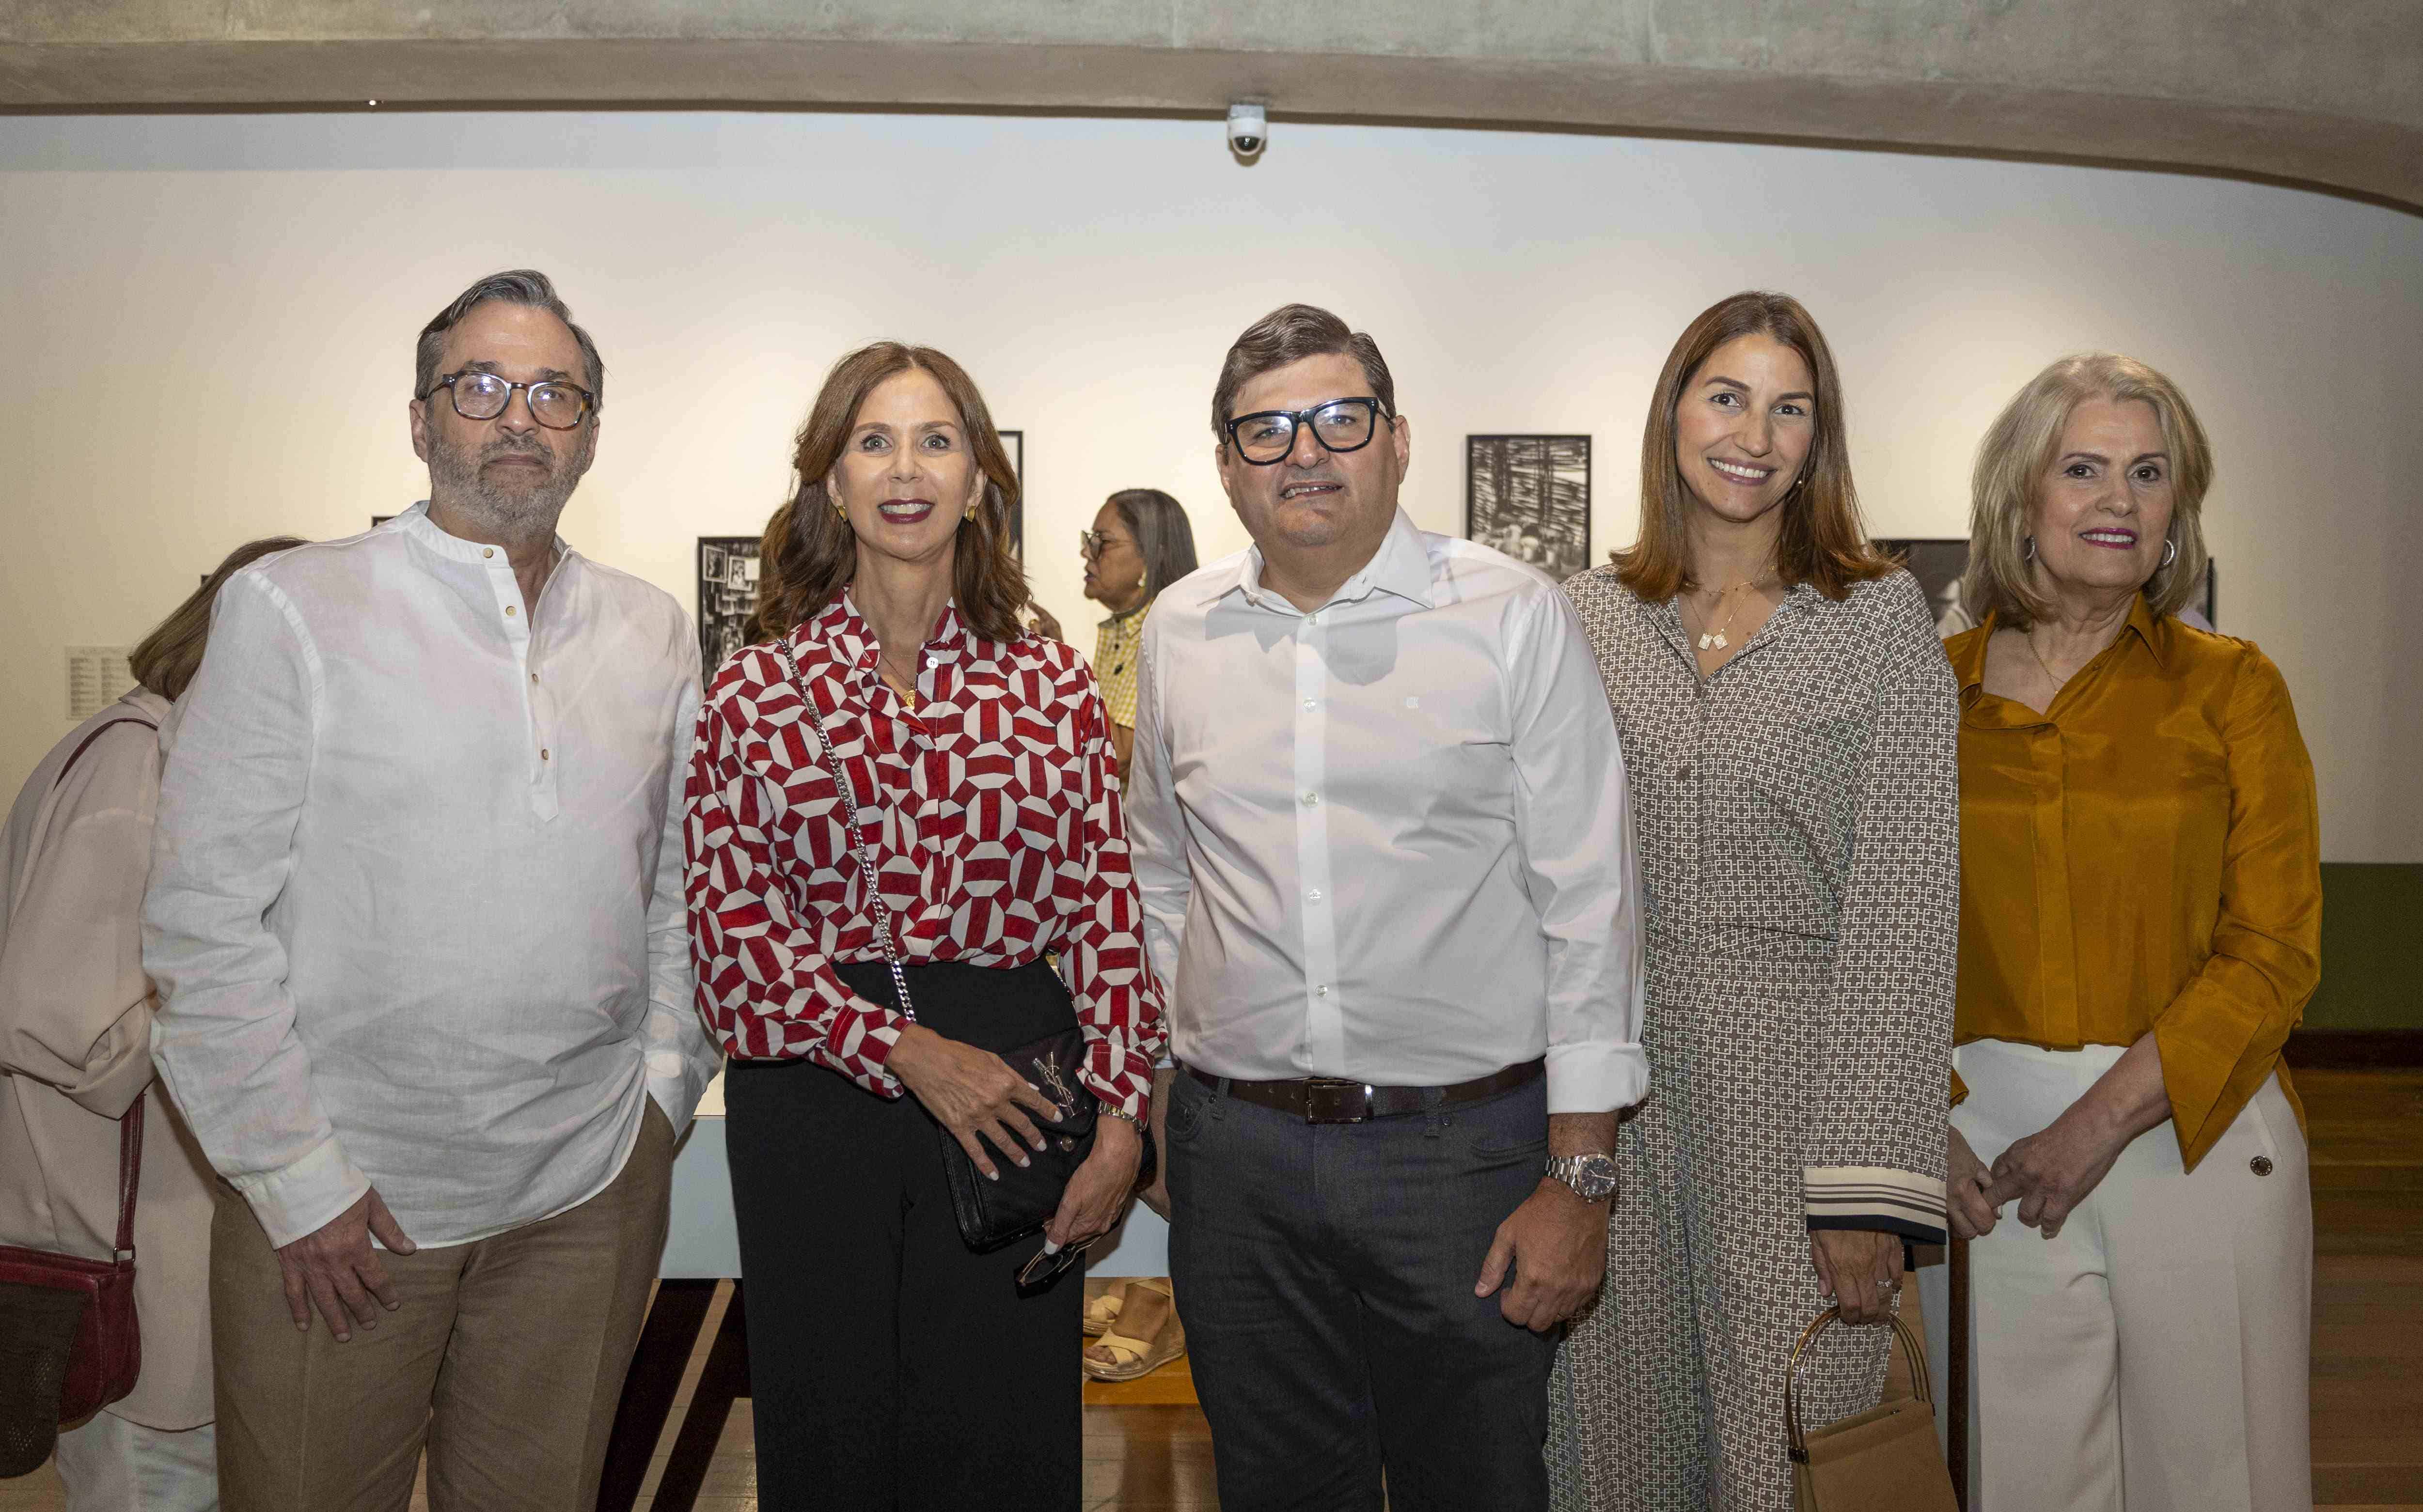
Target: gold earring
x: 842, y: 511
x: 1144, y: 577
x: 970, y: 514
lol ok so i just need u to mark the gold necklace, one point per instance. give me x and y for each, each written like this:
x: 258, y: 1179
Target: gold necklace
x: 1715, y: 639
x: 907, y: 691
x: 2058, y: 683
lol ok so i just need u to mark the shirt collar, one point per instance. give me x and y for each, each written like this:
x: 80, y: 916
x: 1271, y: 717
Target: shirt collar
x: 416, y: 523
x: 1402, y: 566
x: 1968, y: 652
x: 851, y: 640
x: 1132, y: 617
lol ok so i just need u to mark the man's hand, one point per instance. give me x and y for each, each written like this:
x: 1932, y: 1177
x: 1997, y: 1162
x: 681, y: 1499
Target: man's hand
x: 1860, y: 1268
x: 1556, y: 1244
x: 335, y: 1269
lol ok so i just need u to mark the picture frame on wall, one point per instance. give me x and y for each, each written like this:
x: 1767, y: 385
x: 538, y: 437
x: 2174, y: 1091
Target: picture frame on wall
x: 1529, y: 497
x: 1015, y: 442
x: 727, y: 597
x: 1939, y: 563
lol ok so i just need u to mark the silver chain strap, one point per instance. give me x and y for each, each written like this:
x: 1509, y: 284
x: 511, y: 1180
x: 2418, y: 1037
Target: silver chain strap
x: 857, y: 842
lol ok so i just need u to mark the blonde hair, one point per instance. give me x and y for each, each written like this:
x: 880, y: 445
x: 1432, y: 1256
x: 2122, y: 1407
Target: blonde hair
x: 172, y: 653
x: 2021, y: 444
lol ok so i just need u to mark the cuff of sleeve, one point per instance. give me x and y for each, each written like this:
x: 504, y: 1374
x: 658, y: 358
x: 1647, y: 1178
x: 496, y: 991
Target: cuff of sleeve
x: 1595, y: 1077
x: 1874, y: 1198
x: 1122, y: 1079
x: 1959, y: 1090
x: 2198, y: 1072
x: 305, y: 1197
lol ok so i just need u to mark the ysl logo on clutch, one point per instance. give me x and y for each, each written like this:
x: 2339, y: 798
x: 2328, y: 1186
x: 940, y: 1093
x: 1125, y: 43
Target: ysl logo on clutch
x: 1056, y: 1088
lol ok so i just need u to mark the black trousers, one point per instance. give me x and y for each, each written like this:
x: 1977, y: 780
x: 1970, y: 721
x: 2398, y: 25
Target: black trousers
x: 1324, y: 1274
x: 890, y: 1366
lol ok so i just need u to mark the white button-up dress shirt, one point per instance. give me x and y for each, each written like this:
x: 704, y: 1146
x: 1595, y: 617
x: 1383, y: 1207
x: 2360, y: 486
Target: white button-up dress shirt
x: 416, y: 905
x: 1388, y: 839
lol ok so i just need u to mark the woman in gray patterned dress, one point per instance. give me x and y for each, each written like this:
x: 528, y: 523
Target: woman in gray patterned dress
x: 1790, y: 727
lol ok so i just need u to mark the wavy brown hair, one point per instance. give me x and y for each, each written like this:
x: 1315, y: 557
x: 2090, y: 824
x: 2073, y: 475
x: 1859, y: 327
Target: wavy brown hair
x: 1822, y: 541
x: 810, y: 553
x: 172, y: 653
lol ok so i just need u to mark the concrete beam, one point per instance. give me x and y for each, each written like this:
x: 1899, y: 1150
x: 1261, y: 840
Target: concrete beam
x: 2330, y: 97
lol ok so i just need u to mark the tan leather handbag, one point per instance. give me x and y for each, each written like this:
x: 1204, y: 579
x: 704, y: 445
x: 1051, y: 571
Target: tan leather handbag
x: 1884, y: 1459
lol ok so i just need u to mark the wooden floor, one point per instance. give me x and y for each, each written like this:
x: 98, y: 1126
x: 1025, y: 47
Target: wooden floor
x: 1148, y: 1454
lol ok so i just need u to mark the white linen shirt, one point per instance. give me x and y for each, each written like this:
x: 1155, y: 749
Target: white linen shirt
x: 415, y: 906
x: 1390, y: 839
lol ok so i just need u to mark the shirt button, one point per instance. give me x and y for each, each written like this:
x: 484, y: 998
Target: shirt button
x: 2261, y: 1165
x: 487, y: 551
x: 1314, y: 896
x: 1311, y: 704
x: 542, y: 753
x: 1321, y: 991
x: 533, y: 677
x: 1312, y: 800
x: 509, y: 611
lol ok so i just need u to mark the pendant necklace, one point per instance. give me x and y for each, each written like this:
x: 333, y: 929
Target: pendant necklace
x: 1714, y: 638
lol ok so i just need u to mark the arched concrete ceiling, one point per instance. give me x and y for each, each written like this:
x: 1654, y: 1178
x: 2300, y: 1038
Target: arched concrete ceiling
x: 2326, y: 94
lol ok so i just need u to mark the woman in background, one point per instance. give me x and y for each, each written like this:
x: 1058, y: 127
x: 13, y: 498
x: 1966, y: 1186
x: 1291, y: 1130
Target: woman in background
x: 892, y: 1366
x: 75, y: 1059
x: 1140, y: 545
x: 2140, y: 927
x: 1788, y: 726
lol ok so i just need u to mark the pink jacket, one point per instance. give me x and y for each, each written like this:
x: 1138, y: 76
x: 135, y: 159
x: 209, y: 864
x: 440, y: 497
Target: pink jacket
x: 75, y: 1050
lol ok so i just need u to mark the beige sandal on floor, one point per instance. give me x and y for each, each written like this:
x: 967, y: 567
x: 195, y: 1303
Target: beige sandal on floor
x: 1146, y: 1337
x: 1102, y: 1310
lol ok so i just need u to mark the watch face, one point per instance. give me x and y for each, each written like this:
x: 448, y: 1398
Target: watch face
x: 1590, y: 1176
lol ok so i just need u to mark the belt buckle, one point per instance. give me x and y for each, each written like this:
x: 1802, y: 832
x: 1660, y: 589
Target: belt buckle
x: 1328, y: 1099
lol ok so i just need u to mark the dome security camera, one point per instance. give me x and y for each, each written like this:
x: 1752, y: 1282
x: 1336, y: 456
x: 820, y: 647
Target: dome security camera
x: 1247, y: 130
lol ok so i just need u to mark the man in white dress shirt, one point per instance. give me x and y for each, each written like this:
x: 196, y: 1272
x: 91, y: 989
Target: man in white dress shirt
x: 1379, y: 824
x: 416, y: 921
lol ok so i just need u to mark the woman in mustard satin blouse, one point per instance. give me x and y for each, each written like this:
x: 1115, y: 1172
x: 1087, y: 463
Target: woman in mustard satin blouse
x: 2140, y: 921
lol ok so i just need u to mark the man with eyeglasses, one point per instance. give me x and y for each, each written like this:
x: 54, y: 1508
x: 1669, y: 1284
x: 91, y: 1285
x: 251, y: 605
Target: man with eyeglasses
x: 1380, y: 826
x: 416, y: 921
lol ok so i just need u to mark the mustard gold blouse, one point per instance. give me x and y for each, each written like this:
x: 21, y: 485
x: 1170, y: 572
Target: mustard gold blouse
x: 1116, y: 643
x: 2143, y: 856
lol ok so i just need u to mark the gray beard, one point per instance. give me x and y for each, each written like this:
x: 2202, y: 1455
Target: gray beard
x: 530, y: 510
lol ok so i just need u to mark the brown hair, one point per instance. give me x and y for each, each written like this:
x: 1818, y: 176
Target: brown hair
x: 809, y: 553
x: 514, y: 286
x: 172, y: 653
x: 1291, y: 333
x: 1822, y: 541
x: 2021, y: 444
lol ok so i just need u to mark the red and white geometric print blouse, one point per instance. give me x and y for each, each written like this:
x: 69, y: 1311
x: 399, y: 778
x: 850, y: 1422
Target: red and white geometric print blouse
x: 993, y: 825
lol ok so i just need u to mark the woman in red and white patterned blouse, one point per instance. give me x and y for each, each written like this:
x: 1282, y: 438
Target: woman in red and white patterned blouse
x: 891, y: 1364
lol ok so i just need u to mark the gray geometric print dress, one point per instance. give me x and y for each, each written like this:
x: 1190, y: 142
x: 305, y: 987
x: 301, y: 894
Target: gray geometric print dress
x: 1798, y: 819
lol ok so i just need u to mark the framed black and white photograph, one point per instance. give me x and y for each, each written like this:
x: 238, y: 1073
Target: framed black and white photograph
x: 1939, y: 562
x: 727, y: 596
x: 1529, y: 497
x: 1015, y: 442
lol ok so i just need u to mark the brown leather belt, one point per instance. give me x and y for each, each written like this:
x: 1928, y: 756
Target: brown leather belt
x: 1336, y: 1100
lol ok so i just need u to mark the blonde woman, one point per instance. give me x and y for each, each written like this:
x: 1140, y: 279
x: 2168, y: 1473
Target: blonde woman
x: 2139, y: 923
x: 75, y: 1060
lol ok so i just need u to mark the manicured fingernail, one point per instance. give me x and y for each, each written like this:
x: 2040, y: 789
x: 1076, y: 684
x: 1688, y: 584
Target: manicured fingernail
x: 992, y: 1176
x: 1051, y: 1248
x: 1023, y: 1162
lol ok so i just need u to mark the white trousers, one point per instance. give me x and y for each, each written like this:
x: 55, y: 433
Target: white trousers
x: 2155, y: 1356
x: 111, y: 1465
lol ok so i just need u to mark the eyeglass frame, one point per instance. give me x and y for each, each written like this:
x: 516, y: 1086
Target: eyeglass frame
x: 589, y: 404
x: 1090, y: 543
x: 1041, y: 1266
x: 1301, y: 420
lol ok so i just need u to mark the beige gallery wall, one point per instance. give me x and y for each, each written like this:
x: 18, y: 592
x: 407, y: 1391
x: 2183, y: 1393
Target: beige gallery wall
x: 206, y: 327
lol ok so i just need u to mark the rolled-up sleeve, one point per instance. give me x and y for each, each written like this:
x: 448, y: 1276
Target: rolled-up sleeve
x: 1875, y: 1107
x: 1582, y: 863
x: 1119, y: 1002
x: 2220, y: 1037
x: 230, y: 792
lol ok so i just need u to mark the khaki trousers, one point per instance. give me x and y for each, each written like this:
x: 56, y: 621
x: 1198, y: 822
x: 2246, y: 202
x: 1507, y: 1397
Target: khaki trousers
x: 2154, y: 1356
x: 506, y: 1359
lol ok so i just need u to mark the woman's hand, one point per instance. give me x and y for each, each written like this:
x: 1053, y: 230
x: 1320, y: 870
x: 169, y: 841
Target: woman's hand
x: 1097, y: 1193
x: 1860, y: 1268
x: 2049, y: 1173
x: 971, y: 1091
x: 1965, y: 1186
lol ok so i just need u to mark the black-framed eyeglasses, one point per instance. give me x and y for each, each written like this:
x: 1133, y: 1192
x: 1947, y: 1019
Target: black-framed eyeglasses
x: 1267, y: 436
x: 482, y: 395
x: 1094, y: 542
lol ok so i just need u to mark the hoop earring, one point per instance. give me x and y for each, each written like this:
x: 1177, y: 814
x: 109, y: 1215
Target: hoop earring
x: 2028, y: 549
x: 2170, y: 553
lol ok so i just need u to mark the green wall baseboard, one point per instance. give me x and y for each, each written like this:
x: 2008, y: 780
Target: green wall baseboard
x: 2372, y: 948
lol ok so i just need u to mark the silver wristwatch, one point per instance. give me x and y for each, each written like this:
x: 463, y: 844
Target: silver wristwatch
x: 1592, y: 1176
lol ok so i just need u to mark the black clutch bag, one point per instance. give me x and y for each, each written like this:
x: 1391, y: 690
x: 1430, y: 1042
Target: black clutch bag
x: 992, y: 1213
